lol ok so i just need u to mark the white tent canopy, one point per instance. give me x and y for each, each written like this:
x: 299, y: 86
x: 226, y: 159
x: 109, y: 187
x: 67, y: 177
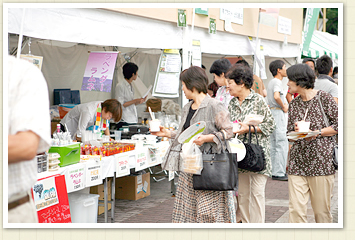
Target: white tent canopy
x: 64, y: 36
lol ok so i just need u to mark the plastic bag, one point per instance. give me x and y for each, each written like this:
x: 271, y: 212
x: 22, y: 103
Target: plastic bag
x: 191, y: 158
x: 253, y: 119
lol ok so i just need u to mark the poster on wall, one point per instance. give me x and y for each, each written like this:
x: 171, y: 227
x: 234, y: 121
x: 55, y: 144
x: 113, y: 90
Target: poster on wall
x: 51, y: 200
x: 233, y: 15
x: 35, y: 60
x: 99, y: 70
x: 167, y: 77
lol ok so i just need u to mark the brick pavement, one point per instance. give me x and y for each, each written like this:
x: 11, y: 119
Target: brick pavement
x: 158, y: 207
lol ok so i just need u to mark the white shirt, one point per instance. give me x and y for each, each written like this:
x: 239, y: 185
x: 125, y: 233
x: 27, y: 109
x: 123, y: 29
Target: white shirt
x: 80, y: 118
x: 28, y: 111
x: 223, y: 96
x: 125, y: 93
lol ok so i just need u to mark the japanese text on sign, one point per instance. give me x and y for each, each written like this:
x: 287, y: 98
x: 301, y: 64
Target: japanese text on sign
x: 75, y: 178
x: 93, y: 173
x: 141, y: 160
x: 122, y: 165
x: 99, y: 72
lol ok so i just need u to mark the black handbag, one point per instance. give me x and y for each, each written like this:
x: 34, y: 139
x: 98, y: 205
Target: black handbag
x: 254, y: 159
x: 220, y: 171
x: 335, y: 149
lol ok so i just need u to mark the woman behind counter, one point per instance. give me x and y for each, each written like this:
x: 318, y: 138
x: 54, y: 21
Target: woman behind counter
x: 310, y: 171
x: 251, y: 192
x: 196, y: 206
x: 96, y: 114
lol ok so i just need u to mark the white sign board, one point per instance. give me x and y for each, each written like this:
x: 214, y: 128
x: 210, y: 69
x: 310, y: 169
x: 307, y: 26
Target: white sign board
x: 234, y: 15
x: 285, y: 25
x: 122, y: 164
x: 141, y: 159
x: 93, y: 173
x: 75, y: 178
x: 45, y: 193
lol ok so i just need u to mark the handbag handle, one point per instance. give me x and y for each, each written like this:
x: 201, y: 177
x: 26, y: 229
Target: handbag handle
x: 225, y: 142
x: 256, y: 135
x: 325, y: 117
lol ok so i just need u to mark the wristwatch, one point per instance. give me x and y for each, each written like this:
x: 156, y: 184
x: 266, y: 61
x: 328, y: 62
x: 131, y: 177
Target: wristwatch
x: 320, y: 133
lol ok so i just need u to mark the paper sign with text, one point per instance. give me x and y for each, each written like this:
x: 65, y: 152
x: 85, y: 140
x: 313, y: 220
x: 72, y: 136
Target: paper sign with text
x: 122, y: 164
x: 93, y: 173
x: 75, y: 178
x: 141, y: 159
x: 45, y: 193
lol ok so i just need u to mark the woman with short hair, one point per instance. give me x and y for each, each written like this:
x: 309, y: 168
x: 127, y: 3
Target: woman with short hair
x: 310, y: 171
x: 197, y: 206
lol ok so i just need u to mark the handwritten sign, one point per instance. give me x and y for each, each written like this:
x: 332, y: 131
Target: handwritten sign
x: 232, y: 15
x: 285, y: 25
x: 153, y: 156
x: 75, y: 178
x: 141, y: 159
x: 122, y: 164
x: 45, y: 193
x: 93, y: 173
x: 99, y: 71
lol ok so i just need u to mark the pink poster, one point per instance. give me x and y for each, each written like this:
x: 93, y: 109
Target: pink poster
x: 99, y: 72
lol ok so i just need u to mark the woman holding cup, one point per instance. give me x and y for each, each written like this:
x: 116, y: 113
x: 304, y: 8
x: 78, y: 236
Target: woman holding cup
x: 310, y: 170
x: 197, y: 206
x: 251, y: 192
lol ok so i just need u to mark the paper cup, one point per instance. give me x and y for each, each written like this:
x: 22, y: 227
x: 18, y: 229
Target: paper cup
x: 236, y: 126
x: 154, y: 125
x: 303, y: 126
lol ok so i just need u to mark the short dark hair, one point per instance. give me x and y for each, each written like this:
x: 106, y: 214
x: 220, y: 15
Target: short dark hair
x: 302, y: 75
x: 213, y: 87
x: 220, y: 66
x: 324, y: 64
x: 195, y: 77
x: 241, y: 74
x: 203, y: 67
x: 274, y: 65
x: 129, y: 69
x: 245, y: 63
x: 113, y: 106
x: 309, y: 60
x: 335, y: 70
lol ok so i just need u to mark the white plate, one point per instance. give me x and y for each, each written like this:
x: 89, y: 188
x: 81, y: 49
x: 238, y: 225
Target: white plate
x: 237, y: 147
x: 193, y: 131
x: 300, y: 135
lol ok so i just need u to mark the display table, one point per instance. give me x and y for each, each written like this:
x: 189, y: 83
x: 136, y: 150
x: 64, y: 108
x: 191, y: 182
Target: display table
x: 91, y: 173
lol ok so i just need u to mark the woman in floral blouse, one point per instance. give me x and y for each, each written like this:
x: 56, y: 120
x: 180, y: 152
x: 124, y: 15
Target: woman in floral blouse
x: 251, y: 192
x: 310, y: 171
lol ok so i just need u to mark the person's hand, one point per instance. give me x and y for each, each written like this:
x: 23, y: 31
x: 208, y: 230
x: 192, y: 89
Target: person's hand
x: 244, y: 128
x: 285, y: 108
x: 144, y: 99
x: 200, y: 140
x: 313, y: 137
x: 139, y: 101
x: 297, y: 129
x: 162, y: 133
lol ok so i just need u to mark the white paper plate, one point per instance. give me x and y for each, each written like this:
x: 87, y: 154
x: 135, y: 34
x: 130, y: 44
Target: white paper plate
x: 193, y: 131
x: 300, y: 135
x: 237, y: 147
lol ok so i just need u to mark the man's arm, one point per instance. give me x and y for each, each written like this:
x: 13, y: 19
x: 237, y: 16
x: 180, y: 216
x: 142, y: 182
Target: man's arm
x: 278, y: 100
x: 22, y: 146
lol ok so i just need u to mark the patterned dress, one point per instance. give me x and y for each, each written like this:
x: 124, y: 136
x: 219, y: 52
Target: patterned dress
x: 312, y: 158
x: 255, y: 104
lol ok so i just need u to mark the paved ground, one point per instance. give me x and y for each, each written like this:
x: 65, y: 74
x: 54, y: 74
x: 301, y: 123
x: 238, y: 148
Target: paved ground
x: 157, y: 207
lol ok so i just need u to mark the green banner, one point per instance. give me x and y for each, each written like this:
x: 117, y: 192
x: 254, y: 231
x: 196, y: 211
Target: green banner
x: 213, y: 27
x: 181, y: 18
x: 202, y: 11
x: 309, y: 25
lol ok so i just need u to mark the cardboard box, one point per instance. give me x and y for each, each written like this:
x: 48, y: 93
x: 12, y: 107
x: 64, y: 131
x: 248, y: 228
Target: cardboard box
x: 99, y: 189
x: 133, y: 187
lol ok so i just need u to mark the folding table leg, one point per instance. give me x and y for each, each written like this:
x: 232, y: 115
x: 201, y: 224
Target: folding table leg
x: 113, y: 197
x: 105, y: 200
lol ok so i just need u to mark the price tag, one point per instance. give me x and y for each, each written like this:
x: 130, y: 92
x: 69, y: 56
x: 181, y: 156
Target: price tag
x: 153, y: 154
x: 93, y: 173
x: 122, y: 164
x: 75, y: 178
x: 141, y: 159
